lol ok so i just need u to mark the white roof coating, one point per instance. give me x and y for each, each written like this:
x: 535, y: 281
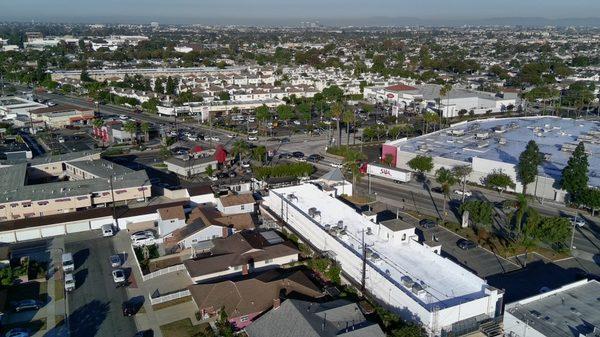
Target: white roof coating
x: 506, y: 144
x: 447, y: 283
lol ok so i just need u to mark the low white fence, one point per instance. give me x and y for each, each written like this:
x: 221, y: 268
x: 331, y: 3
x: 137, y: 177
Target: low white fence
x: 163, y: 271
x: 169, y: 297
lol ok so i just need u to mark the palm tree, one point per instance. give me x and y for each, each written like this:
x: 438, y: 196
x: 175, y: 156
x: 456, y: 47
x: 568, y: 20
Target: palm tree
x: 131, y: 128
x: 336, y: 112
x: 145, y: 127
x: 445, y: 178
x: 239, y: 148
x: 352, y: 163
x: 444, y: 92
x: 461, y: 173
x: 348, y: 118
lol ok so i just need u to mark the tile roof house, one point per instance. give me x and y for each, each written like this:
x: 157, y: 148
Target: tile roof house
x: 297, y: 318
x: 241, y: 254
x: 246, y: 299
x: 236, y: 203
x: 170, y: 219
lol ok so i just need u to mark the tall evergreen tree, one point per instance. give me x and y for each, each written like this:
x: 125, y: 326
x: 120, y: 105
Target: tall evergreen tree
x: 527, y: 168
x: 575, y: 174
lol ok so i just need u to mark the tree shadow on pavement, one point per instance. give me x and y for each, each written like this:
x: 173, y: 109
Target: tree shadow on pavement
x: 83, y: 322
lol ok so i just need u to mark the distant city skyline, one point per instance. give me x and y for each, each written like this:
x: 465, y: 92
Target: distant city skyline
x: 278, y: 12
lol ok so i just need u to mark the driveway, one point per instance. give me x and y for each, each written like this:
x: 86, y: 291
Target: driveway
x: 94, y: 307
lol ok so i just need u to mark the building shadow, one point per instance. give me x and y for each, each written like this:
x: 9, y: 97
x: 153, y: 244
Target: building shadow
x: 85, y: 321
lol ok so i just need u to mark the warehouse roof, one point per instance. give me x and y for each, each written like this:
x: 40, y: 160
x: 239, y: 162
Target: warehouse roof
x: 454, y: 285
x: 573, y: 310
x: 504, y: 139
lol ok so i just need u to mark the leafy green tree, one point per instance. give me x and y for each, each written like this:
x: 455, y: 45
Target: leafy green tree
x: 352, y: 160
x: 522, y: 209
x: 333, y: 93
x: 575, y: 174
x: 498, y: 180
x: 304, y: 111
x: 480, y: 212
x: 421, y: 164
x: 209, y: 170
x: 151, y: 105
x: 285, y: 112
x: 529, y: 161
x: 239, y: 148
x: 461, y: 173
x: 223, y: 325
x: 591, y: 199
x: 554, y: 230
x: 224, y: 96
x: 259, y: 153
x: 171, y: 86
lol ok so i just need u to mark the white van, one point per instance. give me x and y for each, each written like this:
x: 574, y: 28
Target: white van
x: 107, y: 230
x: 68, y: 265
x: 69, y: 282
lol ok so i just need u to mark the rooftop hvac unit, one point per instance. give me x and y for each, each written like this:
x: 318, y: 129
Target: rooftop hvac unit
x: 375, y: 257
x: 369, y: 252
x: 502, y: 141
x: 292, y: 197
x: 481, y: 145
x: 340, y: 224
x: 369, y: 231
x: 311, y: 211
x: 327, y: 227
x: 417, y: 289
x: 387, y: 272
x: 406, y: 281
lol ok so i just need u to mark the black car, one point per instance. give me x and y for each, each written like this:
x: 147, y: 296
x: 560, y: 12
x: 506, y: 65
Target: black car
x: 427, y: 223
x: 222, y: 175
x: 131, y: 308
x: 298, y: 154
x: 232, y: 174
x: 315, y: 157
x: 465, y: 244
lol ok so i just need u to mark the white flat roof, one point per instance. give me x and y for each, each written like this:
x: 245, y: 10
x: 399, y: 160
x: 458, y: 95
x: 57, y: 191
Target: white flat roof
x: 443, y: 279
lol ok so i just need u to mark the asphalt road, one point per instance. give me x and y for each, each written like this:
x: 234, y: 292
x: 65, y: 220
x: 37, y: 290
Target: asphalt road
x: 95, y: 305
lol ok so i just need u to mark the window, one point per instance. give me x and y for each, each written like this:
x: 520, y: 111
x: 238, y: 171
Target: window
x: 241, y: 207
x: 267, y: 261
x: 244, y: 318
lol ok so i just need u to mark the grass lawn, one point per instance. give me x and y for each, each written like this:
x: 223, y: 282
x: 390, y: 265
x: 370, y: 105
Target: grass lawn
x: 172, y: 303
x: 359, y: 200
x: 30, y: 290
x: 183, y: 328
x: 33, y: 326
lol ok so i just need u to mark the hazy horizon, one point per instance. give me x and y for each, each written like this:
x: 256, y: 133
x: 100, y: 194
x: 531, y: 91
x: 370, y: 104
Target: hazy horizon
x: 267, y: 12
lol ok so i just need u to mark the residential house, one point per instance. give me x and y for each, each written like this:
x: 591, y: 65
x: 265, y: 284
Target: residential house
x: 245, y: 300
x: 170, y: 219
x: 298, y: 318
x: 236, y: 203
x: 241, y: 254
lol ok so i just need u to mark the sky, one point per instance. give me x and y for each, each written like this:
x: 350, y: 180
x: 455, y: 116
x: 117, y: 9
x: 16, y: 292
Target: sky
x: 233, y: 11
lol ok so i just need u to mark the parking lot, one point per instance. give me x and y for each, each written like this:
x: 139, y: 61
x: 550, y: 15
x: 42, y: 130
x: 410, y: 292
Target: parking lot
x: 96, y: 303
x: 66, y: 141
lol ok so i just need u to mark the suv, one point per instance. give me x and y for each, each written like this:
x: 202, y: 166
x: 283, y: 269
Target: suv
x: 427, y: 223
x: 142, y: 239
x: 465, y: 244
x: 69, y: 282
x: 68, y: 265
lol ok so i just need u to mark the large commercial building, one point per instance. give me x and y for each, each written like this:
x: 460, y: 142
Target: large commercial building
x: 450, y: 104
x: 495, y: 145
x: 572, y: 310
x: 61, y: 115
x: 78, y: 183
x: 410, y: 278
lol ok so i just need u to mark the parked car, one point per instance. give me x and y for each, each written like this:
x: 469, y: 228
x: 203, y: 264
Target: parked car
x: 27, y: 305
x: 245, y: 164
x: 145, y: 333
x: 115, y: 261
x: 131, y: 308
x: 252, y: 138
x: 460, y: 192
x: 18, y: 332
x: 222, y: 175
x: 68, y: 265
x: 107, y: 230
x: 232, y: 174
x: 213, y: 178
x: 285, y: 140
x: 69, y: 282
x: 427, y: 223
x: 142, y: 239
x: 315, y: 158
x: 123, y: 117
x: 465, y: 244
x: 298, y: 154
x: 336, y: 165
x: 578, y: 221
x: 285, y: 155
x: 118, y: 275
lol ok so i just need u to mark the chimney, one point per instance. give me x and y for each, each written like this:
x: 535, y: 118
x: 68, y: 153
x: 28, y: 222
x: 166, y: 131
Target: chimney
x: 225, y: 232
x: 276, y: 303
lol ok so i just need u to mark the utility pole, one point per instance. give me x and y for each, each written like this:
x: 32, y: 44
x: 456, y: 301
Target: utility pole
x: 573, y: 230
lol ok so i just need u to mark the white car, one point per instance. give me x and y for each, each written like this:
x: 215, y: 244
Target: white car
x: 123, y: 117
x: 297, y: 122
x: 118, y: 275
x: 251, y: 138
x: 192, y: 138
x: 577, y: 221
x: 215, y: 139
x: 142, y: 239
x: 230, y: 135
x: 253, y: 132
x: 336, y: 165
x: 460, y: 192
x: 115, y: 261
x: 69, y: 282
x: 213, y: 178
